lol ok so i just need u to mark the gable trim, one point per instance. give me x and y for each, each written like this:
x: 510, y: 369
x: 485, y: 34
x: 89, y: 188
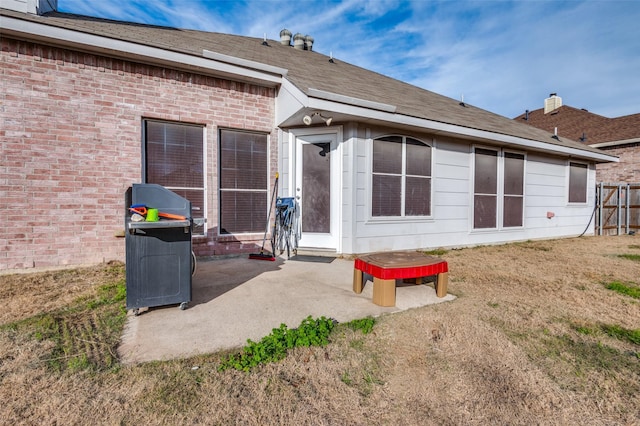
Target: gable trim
x: 43, y: 33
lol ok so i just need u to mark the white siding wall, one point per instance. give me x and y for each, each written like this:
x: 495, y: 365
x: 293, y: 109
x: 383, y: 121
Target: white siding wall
x: 30, y: 6
x: 546, y: 190
x: 546, y: 183
x: 285, y: 165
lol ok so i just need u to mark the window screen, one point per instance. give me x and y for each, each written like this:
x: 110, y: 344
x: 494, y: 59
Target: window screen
x: 401, y: 181
x: 577, y: 183
x: 174, y: 158
x: 513, y: 189
x: 485, y: 197
x: 243, y: 181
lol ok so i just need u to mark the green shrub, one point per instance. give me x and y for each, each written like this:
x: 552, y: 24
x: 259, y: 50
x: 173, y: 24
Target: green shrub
x: 274, y: 347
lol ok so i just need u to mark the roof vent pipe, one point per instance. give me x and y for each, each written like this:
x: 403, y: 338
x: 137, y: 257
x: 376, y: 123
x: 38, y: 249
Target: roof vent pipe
x: 298, y: 41
x: 308, y: 42
x: 285, y: 37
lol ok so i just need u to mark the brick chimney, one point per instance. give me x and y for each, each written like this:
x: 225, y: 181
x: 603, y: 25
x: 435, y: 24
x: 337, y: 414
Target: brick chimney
x: 552, y: 103
x: 35, y: 7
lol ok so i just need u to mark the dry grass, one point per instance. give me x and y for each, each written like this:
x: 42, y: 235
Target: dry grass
x: 522, y: 344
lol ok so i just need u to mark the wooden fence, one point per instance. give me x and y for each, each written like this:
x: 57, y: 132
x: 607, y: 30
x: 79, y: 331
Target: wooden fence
x: 617, y: 208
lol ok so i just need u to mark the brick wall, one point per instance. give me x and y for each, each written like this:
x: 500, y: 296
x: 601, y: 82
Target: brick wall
x: 70, y: 132
x: 627, y: 170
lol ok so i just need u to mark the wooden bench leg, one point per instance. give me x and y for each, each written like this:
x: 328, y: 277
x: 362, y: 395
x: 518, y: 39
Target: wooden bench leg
x: 384, y: 292
x: 442, y: 282
x: 357, y: 281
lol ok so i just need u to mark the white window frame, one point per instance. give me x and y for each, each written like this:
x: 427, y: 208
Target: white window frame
x: 220, y: 190
x: 403, y: 175
x: 500, y: 194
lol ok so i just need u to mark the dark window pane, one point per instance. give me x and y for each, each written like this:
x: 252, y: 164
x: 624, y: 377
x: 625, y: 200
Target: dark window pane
x: 386, y: 195
x: 418, y: 158
x: 174, y: 158
x: 387, y: 156
x: 513, y: 174
x: 243, y: 160
x: 484, y: 211
x: 486, y: 172
x: 197, y: 205
x: 577, y: 183
x: 512, y: 211
x: 242, y: 212
x: 174, y: 154
x: 418, y: 196
x: 397, y: 139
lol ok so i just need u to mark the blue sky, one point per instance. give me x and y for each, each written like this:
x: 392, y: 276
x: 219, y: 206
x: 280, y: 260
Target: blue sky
x: 503, y: 56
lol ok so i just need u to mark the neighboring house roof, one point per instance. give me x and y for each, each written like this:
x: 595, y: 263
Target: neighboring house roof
x: 585, y: 126
x: 311, y: 73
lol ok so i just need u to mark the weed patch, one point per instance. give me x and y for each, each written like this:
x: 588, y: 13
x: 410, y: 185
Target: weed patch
x: 532, y: 245
x: 85, y: 334
x: 626, y: 289
x: 365, y: 324
x: 621, y: 333
x: 634, y: 257
x: 586, y: 361
x: 436, y: 252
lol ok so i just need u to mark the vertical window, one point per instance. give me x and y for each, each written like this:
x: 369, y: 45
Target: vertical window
x: 577, y: 183
x: 485, y: 197
x: 243, y: 181
x: 401, y: 181
x: 513, y: 193
x: 173, y: 158
x: 498, y: 189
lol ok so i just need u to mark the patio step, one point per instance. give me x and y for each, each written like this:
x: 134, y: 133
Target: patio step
x: 315, y: 251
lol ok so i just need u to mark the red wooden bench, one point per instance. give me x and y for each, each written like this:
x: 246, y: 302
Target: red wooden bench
x: 386, y: 268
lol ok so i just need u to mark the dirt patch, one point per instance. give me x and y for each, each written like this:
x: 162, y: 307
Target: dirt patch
x: 522, y: 344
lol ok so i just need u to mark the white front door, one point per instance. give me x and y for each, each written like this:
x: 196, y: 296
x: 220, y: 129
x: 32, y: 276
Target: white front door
x: 317, y: 187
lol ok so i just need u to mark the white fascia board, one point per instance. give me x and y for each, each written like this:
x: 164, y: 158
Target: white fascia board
x: 451, y: 129
x: 132, y: 51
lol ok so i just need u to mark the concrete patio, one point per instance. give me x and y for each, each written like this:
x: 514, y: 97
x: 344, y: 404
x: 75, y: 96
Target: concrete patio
x: 236, y: 299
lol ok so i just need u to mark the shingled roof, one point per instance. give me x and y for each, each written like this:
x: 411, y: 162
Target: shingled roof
x: 579, y: 124
x: 308, y: 71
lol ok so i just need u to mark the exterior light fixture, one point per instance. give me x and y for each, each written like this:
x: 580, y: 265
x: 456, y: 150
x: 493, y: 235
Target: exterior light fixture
x: 308, y: 119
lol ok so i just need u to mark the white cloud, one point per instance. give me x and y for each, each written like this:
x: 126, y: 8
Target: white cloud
x: 504, y: 56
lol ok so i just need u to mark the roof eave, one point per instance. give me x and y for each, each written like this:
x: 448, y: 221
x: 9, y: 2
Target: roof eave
x: 66, y: 38
x: 366, y: 111
x: 615, y: 143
